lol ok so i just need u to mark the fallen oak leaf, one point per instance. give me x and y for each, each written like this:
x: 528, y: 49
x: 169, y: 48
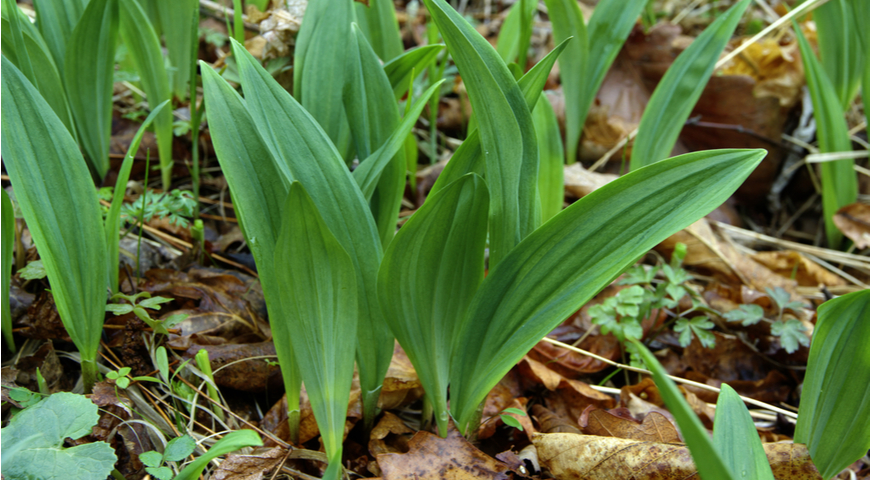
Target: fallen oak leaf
x: 588, y: 457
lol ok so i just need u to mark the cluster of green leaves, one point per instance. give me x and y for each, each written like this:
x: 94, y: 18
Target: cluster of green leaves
x: 789, y: 331
x: 138, y: 307
x: 176, y: 450
x: 178, y: 206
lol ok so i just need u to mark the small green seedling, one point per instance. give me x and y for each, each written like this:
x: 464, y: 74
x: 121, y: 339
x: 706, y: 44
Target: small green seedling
x: 789, y: 331
x: 176, y: 450
x: 122, y: 380
x: 512, y: 421
x: 178, y: 206
x: 138, y: 308
x: 34, y: 270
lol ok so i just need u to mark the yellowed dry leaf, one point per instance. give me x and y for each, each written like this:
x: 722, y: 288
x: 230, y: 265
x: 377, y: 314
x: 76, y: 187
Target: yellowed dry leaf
x: 654, y: 428
x: 805, y: 271
x: 587, y: 457
x: 539, y: 373
x: 580, y: 182
x: 250, y: 467
x: 854, y: 221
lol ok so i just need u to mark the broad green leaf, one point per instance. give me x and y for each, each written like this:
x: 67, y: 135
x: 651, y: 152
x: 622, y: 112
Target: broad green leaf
x: 33, y: 441
x: 551, y: 181
x: 516, y: 31
x: 373, y: 115
x: 378, y: 22
x: 428, y: 277
x: 65, y: 222
x: 317, y: 279
x: 56, y: 20
x: 468, y: 158
x: 577, y: 253
x: 8, y: 228
x: 708, y: 459
x: 143, y: 47
x: 840, y: 48
x: 113, y: 220
x: 507, y: 135
x: 568, y: 22
x: 230, y: 443
x: 303, y: 152
x: 179, y: 447
x: 414, y: 61
x: 48, y: 80
x: 89, y: 65
x: 15, y: 25
x: 680, y: 88
x: 258, y: 188
x: 835, y: 404
x: 369, y: 170
x: 839, y: 180
x: 320, y: 67
x: 176, y: 21
x: 736, y: 440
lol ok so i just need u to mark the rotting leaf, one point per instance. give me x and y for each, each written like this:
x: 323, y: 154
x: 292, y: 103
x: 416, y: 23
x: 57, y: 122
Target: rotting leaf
x: 434, y: 458
x: 588, y: 457
x: 654, y: 428
x: 854, y: 221
x: 250, y: 467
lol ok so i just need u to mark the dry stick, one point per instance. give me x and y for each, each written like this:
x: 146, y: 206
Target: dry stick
x: 676, y: 379
x: 801, y: 9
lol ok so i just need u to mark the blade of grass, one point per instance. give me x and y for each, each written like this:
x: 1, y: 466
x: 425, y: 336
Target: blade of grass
x: 400, y: 69
x: 230, y: 443
x: 507, y: 135
x: 176, y: 20
x: 113, y: 220
x: 89, y: 65
x: 144, y: 49
x: 842, y: 56
x: 59, y: 202
x: 835, y: 406
x: 56, y: 20
x: 373, y: 115
x: 428, y: 277
x: 318, y: 281
x: 516, y: 31
x: 839, y: 180
x: 8, y: 227
x: 679, y: 90
x: 551, y: 181
x: 736, y: 440
x: 577, y: 253
x: 302, y: 150
x: 707, y: 459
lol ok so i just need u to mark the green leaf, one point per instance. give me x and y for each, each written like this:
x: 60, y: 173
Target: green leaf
x: 373, y: 115
x: 65, y: 223
x: 33, y: 441
x: 369, y: 170
x: 177, y: 21
x: 551, y: 181
x: 151, y: 459
x: 230, y: 443
x: 154, y: 302
x: 516, y: 31
x: 839, y: 180
x: 736, y: 440
x: 113, y: 220
x: 790, y: 334
x: 576, y: 254
x: 47, y: 75
x: 119, y: 308
x: 699, y: 326
x: 680, y: 88
x: 258, y: 186
x: 320, y: 67
x: 428, y: 277
x: 838, y: 33
x: 143, y: 46
x: 318, y: 281
x: 783, y: 299
x: 834, y: 411
x: 378, y: 22
x: 707, y: 457
x: 468, y: 158
x: 748, y: 314
x: 304, y: 153
x: 163, y: 473
x: 8, y: 229
x: 507, y: 135
x: 56, y: 20
x: 179, y: 448
x: 89, y: 64
x: 414, y: 61
x: 34, y: 270
x: 511, y: 421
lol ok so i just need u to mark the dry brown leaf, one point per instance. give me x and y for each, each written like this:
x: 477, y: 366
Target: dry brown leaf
x: 619, y: 423
x: 434, y: 458
x: 806, y: 272
x: 588, y: 457
x: 401, y: 386
x: 854, y: 221
x: 250, y: 467
x: 573, y: 396
x: 550, y: 422
x: 539, y: 373
x: 389, y: 436
x: 580, y: 182
x: 502, y: 396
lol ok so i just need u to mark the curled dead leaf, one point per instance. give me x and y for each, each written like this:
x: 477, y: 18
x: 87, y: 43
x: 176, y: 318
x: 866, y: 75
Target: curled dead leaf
x: 619, y: 423
x: 854, y: 221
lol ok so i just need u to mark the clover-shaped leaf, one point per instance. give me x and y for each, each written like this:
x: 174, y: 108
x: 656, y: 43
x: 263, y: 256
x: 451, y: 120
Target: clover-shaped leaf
x: 783, y: 299
x: 700, y: 326
x: 748, y: 314
x: 33, y: 441
x: 790, y: 334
